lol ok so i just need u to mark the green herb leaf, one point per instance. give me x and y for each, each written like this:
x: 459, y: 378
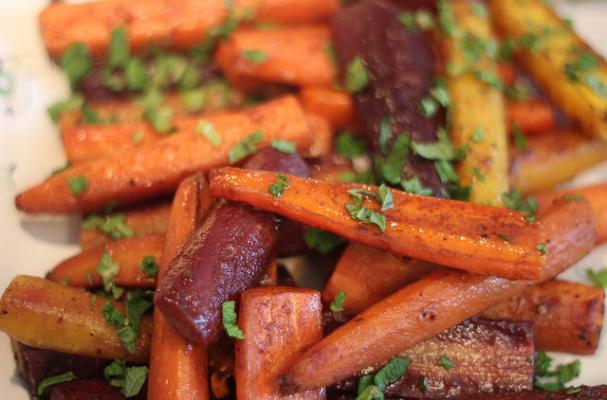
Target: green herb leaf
x: 118, y: 51
x: 254, y: 56
x: 107, y: 269
x: 514, y: 200
x: 428, y: 107
x: 322, y: 241
x: 284, y: 146
x: 228, y: 311
x: 423, y: 383
x: 245, y: 148
x: 519, y: 138
x: 357, y: 77
x: 194, y: 100
x: 366, y: 215
x: 134, y: 74
x: 415, y: 186
x: 76, y: 62
x: 385, y: 197
x: 391, y: 372
x: 149, y: 266
x: 598, y: 278
x: 77, y: 184
x: 137, y: 303
x: 364, y: 382
x: 129, y: 379
x: 424, y: 20
x: 74, y: 103
x: 371, y: 393
x: 573, y: 197
x: 207, y: 130
x: 112, y: 225
x: 445, y: 170
x: 112, y: 315
x: 445, y: 362
x: 279, y: 187
x: 337, y: 305
x: 349, y: 146
x: 478, y: 135
x: 478, y: 174
x: 54, y: 380
x: 542, y: 363
x: 408, y: 20
x: 385, y: 131
x: 541, y: 247
x: 556, y: 379
x: 160, y: 118
x: 439, y: 150
x: 392, y: 167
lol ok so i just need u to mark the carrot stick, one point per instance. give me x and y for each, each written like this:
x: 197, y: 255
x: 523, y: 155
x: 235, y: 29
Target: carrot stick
x: 367, y: 275
x: 553, y: 158
x: 531, y: 116
x: 278, y: 324
x: 147, y: 22
x: 178, y: 369
x: 45, y: 314
x: 292, y: 56
x: 143, y: 221
x: 432, y: 304
x: 323, y: 135
x: 335, y: 105
x: 567, y: 317
x: 155, y: 169
x: 457, y: 234
x: 81, y: 269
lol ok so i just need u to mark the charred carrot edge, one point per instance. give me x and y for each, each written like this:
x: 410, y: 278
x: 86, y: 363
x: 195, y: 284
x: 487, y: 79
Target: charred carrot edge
x: 48, y: 315
x: 434, y: 303
x: 178, y: 369
x: 91, y: 23
x: 292, y: 56
x: 435, y: 230
x: 143, y: 221
x: 553, y: 158
x: 531, y: 116
x: 293, y: 318
x: 81, y: 269
x: 335, y: 105
x: 367, y: 275
x: 566, y: 316
x: 152, y: 170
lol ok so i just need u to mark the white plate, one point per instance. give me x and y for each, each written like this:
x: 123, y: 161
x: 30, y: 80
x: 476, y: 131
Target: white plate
x: 30, y: 148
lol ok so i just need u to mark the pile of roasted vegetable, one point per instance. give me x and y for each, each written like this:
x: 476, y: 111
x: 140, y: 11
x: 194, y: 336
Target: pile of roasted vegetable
x: 403, y: 154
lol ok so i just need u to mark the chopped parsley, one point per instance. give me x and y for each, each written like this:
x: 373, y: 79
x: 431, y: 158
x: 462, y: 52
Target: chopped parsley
x: 478, y: 135
x: 445, y: 170
x: 580, y: 71
x: 445, y: 362
x: 337, y: 305
x: 194, y: 100
x: 598, y: 278
x: 349, y: 146
x: 391, y: 168
x: 245, y: 148
x: 358, y: 212
x: 553, y: 380
x: 414, y: 186
x: 130, y: 380
x: 478, y: 174
x: 74, y: 103
x: 514, y: 200
x: 442, y: 149
x: 112, y: 225
x: 284, y: 146
x: 107, y: 269
x: 54, y: 380
x: 207, y: 130
x: 385, y: 197
x: 161, y: 118
x: 573, y: 197
x: 279, y: 187
x: 228, y: 312
x: 76, y: 62
x: 321, y: 241
x: 423, y: 383
x: 428, y: 107
x: 520, y: 141
x: 541, y: 247
x: 118, y: 50
x: 373, y: 387
x: 357, y: 77
x: 77, y: 184
x: 254, y: 56
x: 128, y: 327
x: 385, y: 130
x: 149, y: 266
x: 134, y: 74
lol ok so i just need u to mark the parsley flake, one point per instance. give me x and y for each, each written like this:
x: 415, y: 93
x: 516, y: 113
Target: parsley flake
x: 284, y: 146
x: 77, y: 184
x: 321, y: 241
x: 520, y: 141
x: 357, y: 77
x: 76, y: 62
x: 279, y: 187
x: 207, y: 130
x: 541, y: 247
x: 112, y: 225
x: 254, y: 56
x: 245, y: 148
x: 130, y: 380
x: 337, y: 305
x: 54, y: 380
x: 445, y: 362
x: 598, y: 278
x: 228, y: 312
x: 149, y: 266
x: 349, y: 146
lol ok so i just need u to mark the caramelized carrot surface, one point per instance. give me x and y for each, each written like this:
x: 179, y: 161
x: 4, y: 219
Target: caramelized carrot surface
x: 178, y: 369
x: 432, y: 304
x: 81, y: 269
x: 480, y: 239
x: 292, y: 56
x: 131, y: 176
x: 335, y: 105
x: 531, y: 116
x: 279, y: 324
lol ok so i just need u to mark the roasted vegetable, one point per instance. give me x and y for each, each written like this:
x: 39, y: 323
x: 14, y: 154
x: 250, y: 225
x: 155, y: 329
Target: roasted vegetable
x: 578, y: 393
x: 335, y: 105
x: 531, y: 116
x: 86, y: 389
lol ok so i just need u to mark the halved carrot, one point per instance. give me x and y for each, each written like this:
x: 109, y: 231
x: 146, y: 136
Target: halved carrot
x: 180, y: 23
x: 156, y: 169
x: 335, y: 105
x: 278, y: 323
x: 48, y: 315
x: 367, y: 275
x: 531, y: 116
x: 143, y: 221
x: 81, y: 269
x: 178, y: 369
x: 566, y: 316
x: 432, y: 304
x: 292, y: 56
x: 476, y: 238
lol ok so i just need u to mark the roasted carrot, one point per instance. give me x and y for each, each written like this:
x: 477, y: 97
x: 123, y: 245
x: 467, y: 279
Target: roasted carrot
x: 434, y: 303
x: 331, y: 168
x: 335, y: 105
x: 531, y: 116
x: 292, y: 56
x: 507, y: 73
x: 279, y: 324
x: 148, y: 171
x: 547, y: 160
x: 481, y: 239
x: 81, y: 269
x: 143, y: 221
x: 367, y: 275
x: 566, y: 316
x: 178, y: 369
x: 63, y: 24
x: 323, y: 136
x: 49, y: 315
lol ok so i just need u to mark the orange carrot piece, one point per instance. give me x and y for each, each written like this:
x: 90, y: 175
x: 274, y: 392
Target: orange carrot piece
x: 531, y: 116
x: 323, y: 136
x: 81, y: 269
x: 144, y: 221
x: 279, y: 324
x: 156, y: 169
x: 553, y: 158
x: 181, y: 23
x: 476, y: 238
x: 178, y: 369
x: 292, y: 56
x: 567, y: 317
x: 331, y: 168
x: 507, y: 73
x: 367, y: 275
x: 335, y: 105
x: 434, y: 303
